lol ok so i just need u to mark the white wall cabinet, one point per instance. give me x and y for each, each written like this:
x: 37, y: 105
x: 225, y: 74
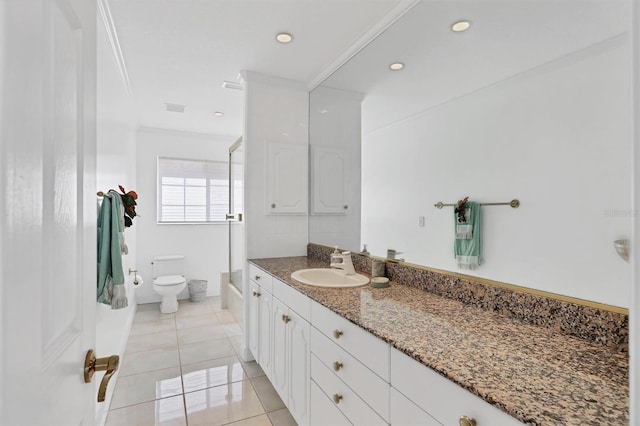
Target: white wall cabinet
x: 329, y: 180
x: 288, y: 178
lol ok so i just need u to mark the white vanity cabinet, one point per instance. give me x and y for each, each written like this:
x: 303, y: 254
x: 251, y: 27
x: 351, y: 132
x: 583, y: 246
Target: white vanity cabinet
x: 329, y: 371
x: 291, y: 350
x: 406, y: 413
x: 260, y: 325
x: 442, y: 399
x: 351, y: 368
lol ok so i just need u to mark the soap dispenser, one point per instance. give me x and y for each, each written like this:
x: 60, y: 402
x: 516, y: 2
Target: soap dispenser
x: 335, y: 256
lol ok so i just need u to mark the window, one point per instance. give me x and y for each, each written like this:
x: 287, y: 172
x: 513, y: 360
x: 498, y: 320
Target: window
x: 192, y: 191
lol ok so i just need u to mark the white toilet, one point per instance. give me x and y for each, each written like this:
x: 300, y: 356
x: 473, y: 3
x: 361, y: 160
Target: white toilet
x: 168, y: 280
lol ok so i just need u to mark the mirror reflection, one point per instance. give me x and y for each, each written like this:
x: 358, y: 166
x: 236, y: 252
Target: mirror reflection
x: 530, y: 102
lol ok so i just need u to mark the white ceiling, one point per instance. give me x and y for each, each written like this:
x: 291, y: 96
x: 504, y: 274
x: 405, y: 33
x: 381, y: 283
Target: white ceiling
x: 507, y: 37
x: 180, y: 51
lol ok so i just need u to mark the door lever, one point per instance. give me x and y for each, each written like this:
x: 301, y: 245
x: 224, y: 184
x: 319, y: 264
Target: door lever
x: 92, y: 364
x: 233, y: 218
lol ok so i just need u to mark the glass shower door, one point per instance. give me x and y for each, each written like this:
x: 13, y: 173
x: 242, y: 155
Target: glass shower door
x: 234, y: 217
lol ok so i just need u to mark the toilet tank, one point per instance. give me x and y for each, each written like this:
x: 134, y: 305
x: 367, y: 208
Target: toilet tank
x: 168, y: 265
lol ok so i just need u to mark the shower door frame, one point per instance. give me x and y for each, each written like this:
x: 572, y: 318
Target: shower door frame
x: 232, y: 217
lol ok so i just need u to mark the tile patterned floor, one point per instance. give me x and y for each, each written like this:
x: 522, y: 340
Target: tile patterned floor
x: 184, y: 369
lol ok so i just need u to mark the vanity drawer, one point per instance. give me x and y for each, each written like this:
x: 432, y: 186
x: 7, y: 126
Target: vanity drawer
x: 404, y: 412
x: 370, y: 387
x: 354, y: 408
x: 261, y: 278
x: 440, y: 397
x: 323, y: 411
x: 364, y: 346
x: 292, y: 298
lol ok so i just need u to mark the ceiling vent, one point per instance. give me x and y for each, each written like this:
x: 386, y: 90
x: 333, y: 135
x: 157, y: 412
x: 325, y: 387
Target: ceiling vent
x: 175, y: 108
x: 232, y: 85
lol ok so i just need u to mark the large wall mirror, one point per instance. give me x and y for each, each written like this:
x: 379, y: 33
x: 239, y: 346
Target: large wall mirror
x: 532, y: 101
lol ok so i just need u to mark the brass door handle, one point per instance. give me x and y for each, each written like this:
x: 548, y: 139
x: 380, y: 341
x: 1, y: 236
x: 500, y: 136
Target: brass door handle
x: 92, y: 364
x: 467, y: 421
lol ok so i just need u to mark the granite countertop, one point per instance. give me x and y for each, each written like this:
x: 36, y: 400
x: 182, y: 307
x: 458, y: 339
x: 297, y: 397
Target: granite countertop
x: 535, y: 374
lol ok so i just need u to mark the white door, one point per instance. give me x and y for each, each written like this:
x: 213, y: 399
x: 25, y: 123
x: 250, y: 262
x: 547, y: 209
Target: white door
x: 47, y: 211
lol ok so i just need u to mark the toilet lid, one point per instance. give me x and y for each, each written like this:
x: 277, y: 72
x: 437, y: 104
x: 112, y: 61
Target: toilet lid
x: 169, y: 280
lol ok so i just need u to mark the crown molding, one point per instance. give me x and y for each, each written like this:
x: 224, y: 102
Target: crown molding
x: 389, y: 19
x: 107, y: 20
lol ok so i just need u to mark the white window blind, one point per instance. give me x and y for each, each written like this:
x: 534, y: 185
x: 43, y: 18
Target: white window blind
x: 192, y: 191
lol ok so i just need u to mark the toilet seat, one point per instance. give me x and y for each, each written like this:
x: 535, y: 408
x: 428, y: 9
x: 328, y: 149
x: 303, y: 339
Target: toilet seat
x: 169, y: 280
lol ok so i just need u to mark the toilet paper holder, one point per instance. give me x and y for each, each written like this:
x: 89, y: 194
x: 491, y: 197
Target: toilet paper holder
x: 134, y: 272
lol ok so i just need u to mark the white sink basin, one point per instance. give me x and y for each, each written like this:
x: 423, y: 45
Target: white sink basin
x: 325, y: 277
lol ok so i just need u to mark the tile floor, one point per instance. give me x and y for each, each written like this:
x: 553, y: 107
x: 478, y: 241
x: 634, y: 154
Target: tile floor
x: 183, y: 369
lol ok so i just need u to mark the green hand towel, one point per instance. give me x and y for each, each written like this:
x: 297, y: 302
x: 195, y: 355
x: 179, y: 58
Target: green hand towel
x: 468, y: 249
x: 111, y: 290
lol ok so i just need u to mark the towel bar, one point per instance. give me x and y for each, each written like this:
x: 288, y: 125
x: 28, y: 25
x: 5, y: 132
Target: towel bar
x: 513, y: 203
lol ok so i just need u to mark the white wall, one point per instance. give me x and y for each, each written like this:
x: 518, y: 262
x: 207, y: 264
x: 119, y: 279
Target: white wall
x: 276, y: 110
x: 556, y: 137
x: 206, y: 246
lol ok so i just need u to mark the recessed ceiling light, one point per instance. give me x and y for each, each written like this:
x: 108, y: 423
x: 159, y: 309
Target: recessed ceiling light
x: 460, y: 26
x: 284, y: 37
x: 396, y: 66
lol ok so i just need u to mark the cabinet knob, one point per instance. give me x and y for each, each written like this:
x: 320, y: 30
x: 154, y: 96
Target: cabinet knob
x: 285, y: 318
x: 467, y: 421
x: 337, y: 334
x: 257, y: 277
x: 255, y: 293
x: 346, y: 206
x: 337, y: 365
x: 258, y: 294
x: 273, y: 205
x: 337, y: 398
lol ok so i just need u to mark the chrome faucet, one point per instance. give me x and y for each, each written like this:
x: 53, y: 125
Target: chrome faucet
x: 346, y: 264
x: 391, y: 255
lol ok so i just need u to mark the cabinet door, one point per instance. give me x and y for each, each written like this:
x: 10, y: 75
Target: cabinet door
x: 288, y: 178
x: 279, y: 359
x: 253, y: 321
x: 328, y: 181
x: 298, y: 333
x: 265, y: 328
